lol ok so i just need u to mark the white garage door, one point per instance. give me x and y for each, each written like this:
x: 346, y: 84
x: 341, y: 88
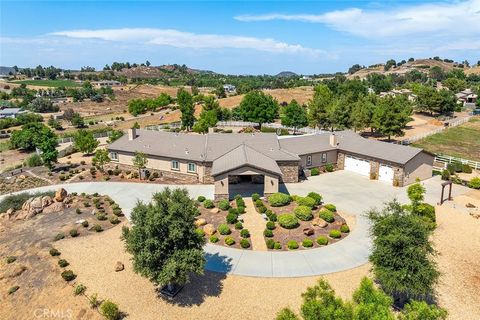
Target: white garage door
x: 385, y: 173
x: 357, y: 165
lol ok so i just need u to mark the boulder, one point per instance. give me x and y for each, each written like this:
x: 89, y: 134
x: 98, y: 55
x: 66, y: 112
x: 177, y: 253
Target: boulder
x: 209, y: 229
x: 30, y: 208
x: 119, y: 266
x: 308, y: 231
x: 215, y: 210
x: 60, y: 195
x: 319, y: 222
x: 46, y: 201
x: 200, y: 222
x: 470, y: 205
x: 54, y: 207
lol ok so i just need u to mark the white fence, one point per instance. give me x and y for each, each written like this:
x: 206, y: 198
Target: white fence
x: 451, y: 124
x: 158, y: 127
x: 445, y: 160
x: 237, y: 124
x: 305, y: 130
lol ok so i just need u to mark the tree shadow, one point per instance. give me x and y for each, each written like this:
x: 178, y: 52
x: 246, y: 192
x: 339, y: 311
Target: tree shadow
x: 202, y: 286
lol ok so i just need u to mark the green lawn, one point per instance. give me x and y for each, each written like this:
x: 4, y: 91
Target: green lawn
x: 49, y: 83
x: 462, y: 141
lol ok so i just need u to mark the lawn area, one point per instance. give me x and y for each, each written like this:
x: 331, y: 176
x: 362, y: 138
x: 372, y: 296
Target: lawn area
x: 49, y: 83
x: 462, y: 141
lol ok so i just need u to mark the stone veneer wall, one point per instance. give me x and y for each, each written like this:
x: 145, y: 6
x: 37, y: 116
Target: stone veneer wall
x: 207, y: 177
x: 398, y: 176
x: 181, y: 177
x: 289, y: 171
x: 341, y: 161
x: 374, y: 169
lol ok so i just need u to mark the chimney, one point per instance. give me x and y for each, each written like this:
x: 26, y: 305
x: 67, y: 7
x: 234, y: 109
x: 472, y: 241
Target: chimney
x: 333, y: 140
x: 132, y: 134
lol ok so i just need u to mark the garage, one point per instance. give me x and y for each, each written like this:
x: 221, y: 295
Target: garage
x: 357, y: 165
x: 385, y: 173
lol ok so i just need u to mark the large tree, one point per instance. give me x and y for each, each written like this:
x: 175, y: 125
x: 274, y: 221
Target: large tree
x: 101, y: 158
x: 207, y: 120
x: 362, y: 113
x: 294, y: 115
x: 47, y: 145
x: 319, y: 107
x: 185, y: 104
x: 257, y: 106
x: 433, y: 101
x: 165, y: 247
x: 28, y: 137
x: 392, y: 115
x: 140, y: 161
x: 85, y: 142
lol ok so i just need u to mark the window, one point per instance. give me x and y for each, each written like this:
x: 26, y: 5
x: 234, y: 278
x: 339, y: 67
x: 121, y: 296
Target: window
x: 175, y: 165
x: 309, y: 160
x: 114, y: 156
x: 324, y: 157
x: 192, y: 167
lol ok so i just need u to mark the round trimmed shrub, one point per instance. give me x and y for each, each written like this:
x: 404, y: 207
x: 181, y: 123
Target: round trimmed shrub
x: 244, y: 243
x: 335, y: 234
x: 241, y: 209
x: 208, y: 204
x: 238, y: 225
x: 277, y: 246
x: 262, y: 209
x: 329, y: 167
x: 245, y: 233
x: 315, y: 196
x: 223, y: 229
x: 322, y: 240
x: 270, y: 225
x: 307, y: 243
x: 306, y: 201
x: 330, y: 207
x: 273, y: 217
x: 474, y: 183
x: 68, y: 275
x: 288, y: 221
x: 344, y: 228
x: 201, y: 198
x: 74, y: 233
x: 213, y: 239
x: 292, y: 245
x: 114, y: 220
x: 54, y: 252
x: 229, y: 241
x: 59, y: 236
x: 270, y: 243
x: 255, y: 197
x: 303, y: 213
x: 268, y: 233
x: 85, y: 224
x: 97, y: 228
x: 109, y: 310
x: 466, y: 168
x: 269, y: 212
x: 314, y: 171
x: 224, y: 205
x: 327, y: 215
x: 258, y: 203
x: 233, y: 210
x: 200, y: 232
x: 231, y: 218
x: 279, y: 199
x: 63, y: 263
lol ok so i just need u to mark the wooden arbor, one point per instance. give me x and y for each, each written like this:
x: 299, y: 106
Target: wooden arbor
x: 444, y: 184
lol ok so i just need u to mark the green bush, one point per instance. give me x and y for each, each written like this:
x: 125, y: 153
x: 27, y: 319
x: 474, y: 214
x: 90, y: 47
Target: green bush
x: 273, y: 217
x: 59, y: 236
x: 277, y: 246
x: 74, y: 233
x: 231, y: 218
x: 466, y: 168
x: 85, y: 224
x: 270, y: 225
x: 270, y: 243
x: 229, y: 241
x: 241, y: 209
x: 474, y: 183
x: 255, y: 197
x: 306, y: 201
x: 330, y: 207
x: 11, y: 259
x: 303, y: 213
x: 54, y: 252
x: 454, y: 167
x: 33, y: 161
x: 288, y: 221
x: 16, y: 201
x: 63, y: 263
x: 327, y: 215
x: 315, y: 196
x: 329, y: 167
x: 279, y: 199
x: 259, y: 203
x: 233, y: 210
x: 322, y: 240
x: 208, y: 204
x: 344, y: 228
x: 97, y: 228
x: 262, y: 209
x: 213, y: 239
x: 426, y: 210
x: 445, y: 175
x: 109, y: 310
x: 201, y: 198
x: 307, y: 243
x: 223, y: 229
x: 244, y: 243
x: 268, y: 233
x: 101, y: 216
x: 224, y: 205
x: 13, y: 289
x: 78, y: 211
x: 114, y: 220
x: 335, y: 234
x: 239, y: 201
x: 68, y: 275
x: 245, y: 233
x: 200, y: 232
x: 314, y: 172
x: 292, y: 245
x: 238, y: 225
x: 79, y: 289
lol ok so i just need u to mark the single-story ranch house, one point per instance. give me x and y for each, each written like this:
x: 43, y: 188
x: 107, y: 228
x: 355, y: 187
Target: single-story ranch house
x: 221, y: 158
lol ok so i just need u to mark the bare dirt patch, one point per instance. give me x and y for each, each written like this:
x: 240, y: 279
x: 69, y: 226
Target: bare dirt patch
x: 301, y: 94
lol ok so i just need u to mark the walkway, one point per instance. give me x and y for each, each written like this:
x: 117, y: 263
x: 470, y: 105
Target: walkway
x: 254, y: 222
x: 350, y: 192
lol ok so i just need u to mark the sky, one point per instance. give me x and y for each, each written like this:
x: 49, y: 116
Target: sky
x: 248, y: 37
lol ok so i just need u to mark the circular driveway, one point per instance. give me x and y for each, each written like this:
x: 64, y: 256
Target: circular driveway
x: 350, y: 192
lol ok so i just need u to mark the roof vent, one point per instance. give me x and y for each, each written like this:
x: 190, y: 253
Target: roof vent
x: 186, y: 151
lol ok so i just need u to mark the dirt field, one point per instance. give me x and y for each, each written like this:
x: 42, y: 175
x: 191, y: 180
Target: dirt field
x: 301, y: 94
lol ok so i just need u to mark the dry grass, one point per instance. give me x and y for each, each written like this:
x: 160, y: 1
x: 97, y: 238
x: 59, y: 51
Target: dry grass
x: 301, y: 94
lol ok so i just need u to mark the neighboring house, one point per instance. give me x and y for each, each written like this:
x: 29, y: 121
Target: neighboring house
x: 265, y: 158
x: 466, y: 97
x: 10, y: 112
x: 229, y: 88
x: 62, y: 100
x: 106, y: 83
x: 396, y: 92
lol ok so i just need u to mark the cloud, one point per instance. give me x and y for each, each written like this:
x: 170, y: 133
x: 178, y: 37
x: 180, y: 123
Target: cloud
x: 452, y: 18
x: 180, y: 39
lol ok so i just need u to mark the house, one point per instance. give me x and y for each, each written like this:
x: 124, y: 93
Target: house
x: 396, y: 92
x: 223, y: 159
x: 466, y: 97
x: 62, y: 100
x: 106, y: 83
x: 10, y: 112
x: 229, y: 88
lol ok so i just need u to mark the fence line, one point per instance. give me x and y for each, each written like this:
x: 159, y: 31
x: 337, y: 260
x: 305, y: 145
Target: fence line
x: 426, y: 134
x: 237, y: 124
x: 95, y: 135
x: 448, y: 159
x: 158, y: 127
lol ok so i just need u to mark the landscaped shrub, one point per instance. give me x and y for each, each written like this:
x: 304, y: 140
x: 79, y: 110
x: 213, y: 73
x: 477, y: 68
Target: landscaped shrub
x: 329, y: 167
x: 63, y: 263
x: 268, y: 233
x: 244, y: 243
x: 270, y: 225
x: 258, y: 203
x: 68, y: 275
x: 239, y: 201
x: 445, y: 175
x: 314, y: 172
x: 292, y: 245
x: 466, y: 168
x: 474, y: 183
x: 307, y: 243
x: 262, y: 209
x: 233, y: 210
x: 101, y: 216
x: 85, y: 224
x: 306, y: 201
x: 273, y: 217
x: 279, y: 199
x: 330, y: 207
x: 322, y: 240
x: 231, y: 218
x: 59, y: 236
x: 200, y: 232
x: 114, y: 220
x: 238, y: 225
x: 201, y: 198
x: 315, y: 196
x: 344, y: 228
x: 11, y: 259
x: 288, y: 221
x: 335, y: 234
x: 241, y: 209
x: 303, y: 213
x: 117, y: 212
x: 78, y: 211
x: 245, y: 233
x: 270, y: 243
x: 74, y: 233
x: 255, y: 197
x: 229, y: 241
x: 33, y: 161
x: 224, y: 205
x: 54, y: 252
x: 426, y: 210
x: 13, y: 289
x: 223, y: 229
x: 208, y: 204
x: 97, y: 228
x: 454, y: 167
x: 277, y: 246
x: 109, y: 310
x: 79, y: 289
x: 213, y: 239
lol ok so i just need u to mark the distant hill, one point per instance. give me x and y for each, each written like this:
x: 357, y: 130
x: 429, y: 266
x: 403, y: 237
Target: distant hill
x: 6, y: 70
x: 286, y: 74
